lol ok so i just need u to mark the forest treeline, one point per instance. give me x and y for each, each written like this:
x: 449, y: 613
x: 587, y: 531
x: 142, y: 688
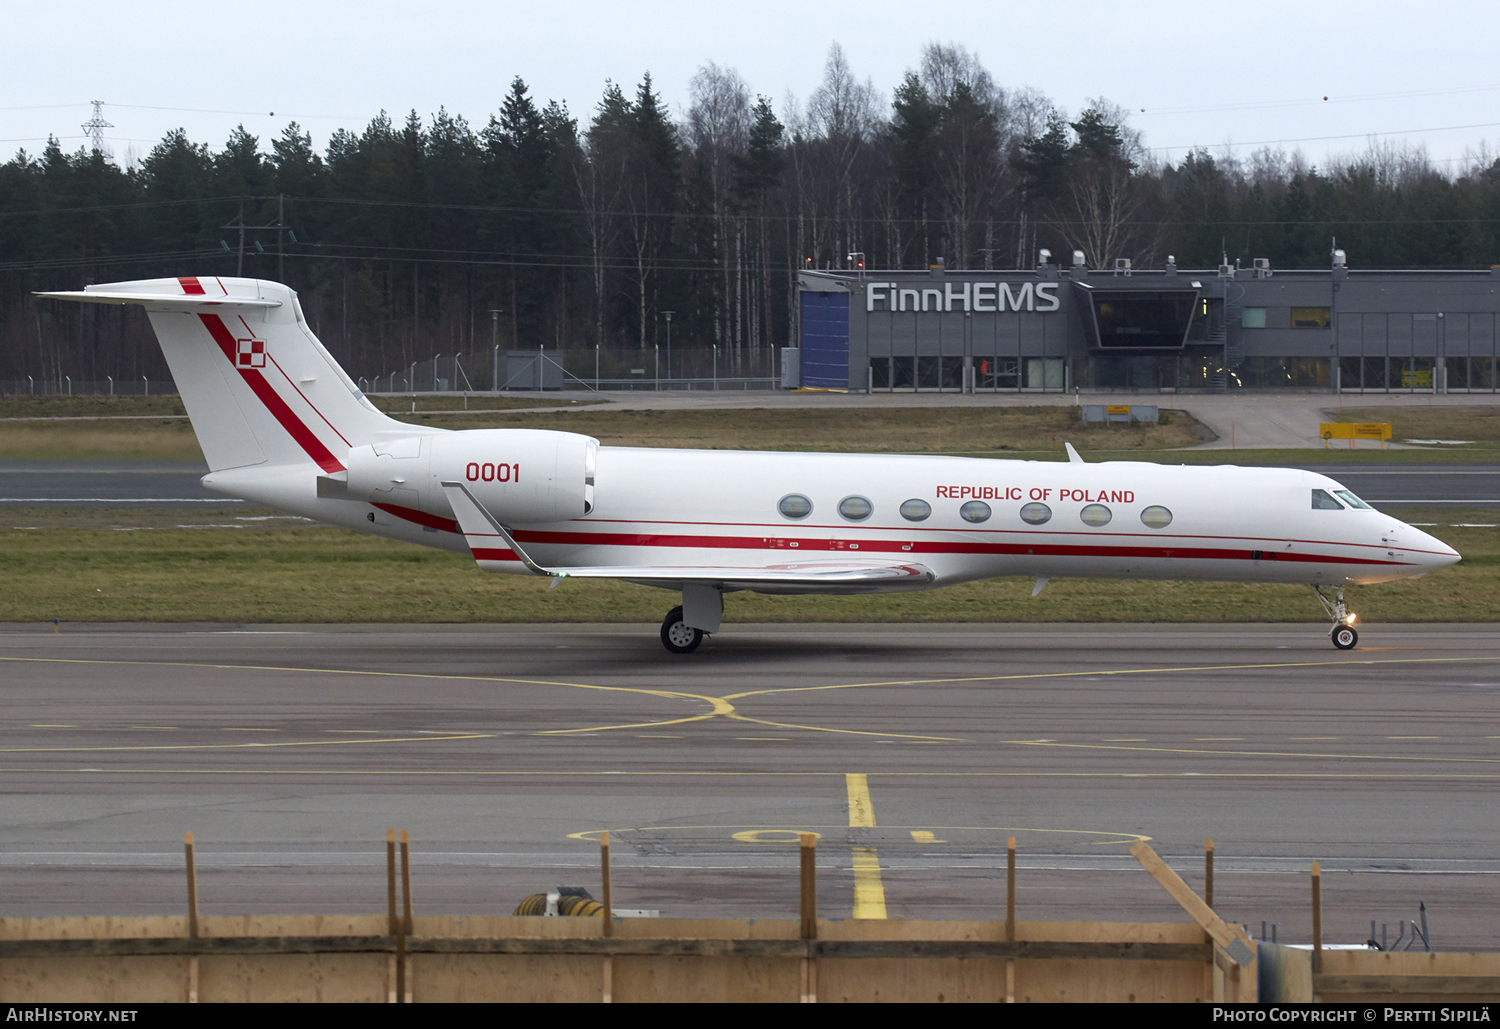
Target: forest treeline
x: 423, y: 236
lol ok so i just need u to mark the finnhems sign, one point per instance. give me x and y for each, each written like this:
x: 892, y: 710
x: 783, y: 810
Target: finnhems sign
x: 968, y: 296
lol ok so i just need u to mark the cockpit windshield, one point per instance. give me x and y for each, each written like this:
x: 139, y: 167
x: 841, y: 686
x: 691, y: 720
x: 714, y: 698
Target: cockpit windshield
x: 1352, y: 500
x: 1321, y: 501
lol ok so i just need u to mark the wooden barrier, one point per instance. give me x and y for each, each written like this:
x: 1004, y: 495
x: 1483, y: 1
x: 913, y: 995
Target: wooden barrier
x: 404, y: 957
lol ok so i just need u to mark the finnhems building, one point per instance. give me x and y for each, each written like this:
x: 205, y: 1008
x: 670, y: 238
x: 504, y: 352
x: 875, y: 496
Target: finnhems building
x: 1057, y: 328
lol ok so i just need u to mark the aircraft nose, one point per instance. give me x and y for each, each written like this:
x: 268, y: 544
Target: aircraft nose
x: 1432, y: 552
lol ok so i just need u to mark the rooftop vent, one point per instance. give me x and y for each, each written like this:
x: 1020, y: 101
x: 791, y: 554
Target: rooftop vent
x: 1122, y: 266
x: 1078, y: 261
x: 1340, y: 259
x: 1262, y: 267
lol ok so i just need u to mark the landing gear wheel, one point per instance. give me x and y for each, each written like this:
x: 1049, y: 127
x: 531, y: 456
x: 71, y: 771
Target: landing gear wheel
x: 677, y: 636
x: 1344, y: 637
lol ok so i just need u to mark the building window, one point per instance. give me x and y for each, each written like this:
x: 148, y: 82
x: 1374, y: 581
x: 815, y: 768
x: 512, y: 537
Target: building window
x: 1253, y: 318
x: 915, y: 510
x: 856, y: 509
x: 1311, y: 317
x: 975, y: 511
x: 1096, y: 515
x: 795, y: 505
x: 1036, y: 514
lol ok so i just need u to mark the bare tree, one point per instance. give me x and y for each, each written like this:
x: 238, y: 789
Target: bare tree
x: 717, y: 131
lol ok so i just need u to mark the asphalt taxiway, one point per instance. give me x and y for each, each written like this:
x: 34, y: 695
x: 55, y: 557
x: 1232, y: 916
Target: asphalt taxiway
x: 504, y: 750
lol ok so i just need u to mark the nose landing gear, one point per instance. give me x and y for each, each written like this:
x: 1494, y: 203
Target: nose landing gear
x: 1343, y: 635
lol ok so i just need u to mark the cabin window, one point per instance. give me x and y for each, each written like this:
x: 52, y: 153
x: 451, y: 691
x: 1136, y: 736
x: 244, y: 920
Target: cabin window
x: 795, y: 505
x: 1095, y: 515
x: 1352, y: 500
x: 916, y: 510
x: 1156, y: 517
x: 1321, y: 501
x: 975, y: 511
x: 1036, y: 514
x: 856, y: 509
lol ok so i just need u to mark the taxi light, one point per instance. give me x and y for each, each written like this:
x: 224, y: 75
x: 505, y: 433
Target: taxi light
x: 1352, y: 619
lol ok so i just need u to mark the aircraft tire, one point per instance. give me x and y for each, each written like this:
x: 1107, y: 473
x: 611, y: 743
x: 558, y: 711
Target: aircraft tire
x: 1344, y: 637
x: 677, y: 636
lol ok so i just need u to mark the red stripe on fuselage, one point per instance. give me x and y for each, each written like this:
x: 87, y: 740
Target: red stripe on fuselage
x: 191, y: 286
x: 283, y: 414
x: 419, y: 517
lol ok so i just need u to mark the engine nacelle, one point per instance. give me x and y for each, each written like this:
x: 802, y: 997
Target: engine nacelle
x: 521, y: 476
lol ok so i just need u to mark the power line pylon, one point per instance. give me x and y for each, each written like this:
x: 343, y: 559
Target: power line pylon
x: 95, y: 127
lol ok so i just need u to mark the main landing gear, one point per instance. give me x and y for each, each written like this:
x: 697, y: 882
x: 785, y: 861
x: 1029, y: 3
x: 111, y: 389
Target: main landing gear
x: 678, y: 636
x: 1343, y: 635
x: 701, y: 613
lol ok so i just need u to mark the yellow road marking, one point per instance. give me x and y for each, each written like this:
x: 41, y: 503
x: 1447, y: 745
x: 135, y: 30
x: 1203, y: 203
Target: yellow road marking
x: 1413, y: 737
x: 1128, y: 739
x: 861, y: 811
x: 1117, y: 671
x: 1217, y: 739
x: 925, y: 836
x: 244, y: 746
x: 869, y: 891
x: 1304, y: 739
x: 1257, y: 753
x: 751, y: 835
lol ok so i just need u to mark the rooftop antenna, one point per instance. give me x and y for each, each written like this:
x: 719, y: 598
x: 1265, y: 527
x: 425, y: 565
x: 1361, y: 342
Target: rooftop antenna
x: 95, y: 127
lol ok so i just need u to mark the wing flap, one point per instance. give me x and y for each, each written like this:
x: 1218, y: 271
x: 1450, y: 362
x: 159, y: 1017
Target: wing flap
x: 494, y: 548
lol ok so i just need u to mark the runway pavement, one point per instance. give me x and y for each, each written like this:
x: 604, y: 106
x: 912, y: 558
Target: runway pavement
x: 143, y: 484
x: 503, y: 750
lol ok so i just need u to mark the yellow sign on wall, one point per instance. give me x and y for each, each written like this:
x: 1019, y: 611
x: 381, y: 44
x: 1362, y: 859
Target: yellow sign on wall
x: 1117, y: 409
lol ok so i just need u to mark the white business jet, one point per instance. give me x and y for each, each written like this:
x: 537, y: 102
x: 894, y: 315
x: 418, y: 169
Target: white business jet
x: 281, y: 424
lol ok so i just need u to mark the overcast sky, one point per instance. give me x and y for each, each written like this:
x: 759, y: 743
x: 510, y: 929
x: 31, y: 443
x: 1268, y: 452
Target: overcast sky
x: 1205, y: 74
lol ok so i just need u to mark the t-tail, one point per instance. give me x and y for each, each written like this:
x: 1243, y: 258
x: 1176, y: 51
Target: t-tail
x: 259, y: 387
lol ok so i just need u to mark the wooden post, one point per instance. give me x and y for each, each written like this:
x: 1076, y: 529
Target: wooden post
x: 609, y: 909
x: 393, y: 924
x: 402, y: 996
x: 809, y: 915
x: 1010, y: 916
x: 809, y: 887
x: 1208, y: 872
x: 405, y: 884
x: 192, y: 884
x: 1317, y: 917
x: 192, y: 887
x: 1010, y: 888
x: 609, y: 916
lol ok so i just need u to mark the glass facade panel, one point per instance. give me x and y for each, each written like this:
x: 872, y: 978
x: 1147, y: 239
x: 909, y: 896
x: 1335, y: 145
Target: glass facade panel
x: 880, y: 373
x: 1416, y: 372
x: 1349, y: 368
x: 902, y: 376
x: 1481, y: 373
x: 1044, y: 373
x: 998, y: 372
x: 1457, y: 370
x: 1374, y: 372
x: 1253, y: 318
x: 1311, y: 317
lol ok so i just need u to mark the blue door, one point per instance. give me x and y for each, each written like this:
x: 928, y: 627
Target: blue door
x: 825, y: 340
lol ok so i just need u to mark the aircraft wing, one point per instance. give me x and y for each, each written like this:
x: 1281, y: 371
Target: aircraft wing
x: 491, y: 543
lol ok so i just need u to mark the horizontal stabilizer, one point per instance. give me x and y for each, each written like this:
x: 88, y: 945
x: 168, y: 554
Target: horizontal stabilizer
x: 165, y: 303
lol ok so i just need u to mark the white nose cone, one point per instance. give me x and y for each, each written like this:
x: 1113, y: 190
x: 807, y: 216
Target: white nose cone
x: 1427, y: 550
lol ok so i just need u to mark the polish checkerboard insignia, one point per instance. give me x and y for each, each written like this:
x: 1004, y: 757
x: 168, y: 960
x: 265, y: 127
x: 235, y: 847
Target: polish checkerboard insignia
x: 252, y: 353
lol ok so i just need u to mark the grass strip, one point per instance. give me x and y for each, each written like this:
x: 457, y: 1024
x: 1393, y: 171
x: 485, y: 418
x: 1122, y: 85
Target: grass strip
x: 247, y: 566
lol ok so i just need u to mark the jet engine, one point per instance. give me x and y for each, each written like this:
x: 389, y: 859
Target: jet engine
x: 521, y: 476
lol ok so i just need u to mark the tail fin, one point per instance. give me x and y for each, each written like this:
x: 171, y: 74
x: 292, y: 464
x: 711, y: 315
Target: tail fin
x: 258, y: 386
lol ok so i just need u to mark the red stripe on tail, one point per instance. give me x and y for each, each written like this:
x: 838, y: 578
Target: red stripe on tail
x: 294, y: 426
x: 191, y: 286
